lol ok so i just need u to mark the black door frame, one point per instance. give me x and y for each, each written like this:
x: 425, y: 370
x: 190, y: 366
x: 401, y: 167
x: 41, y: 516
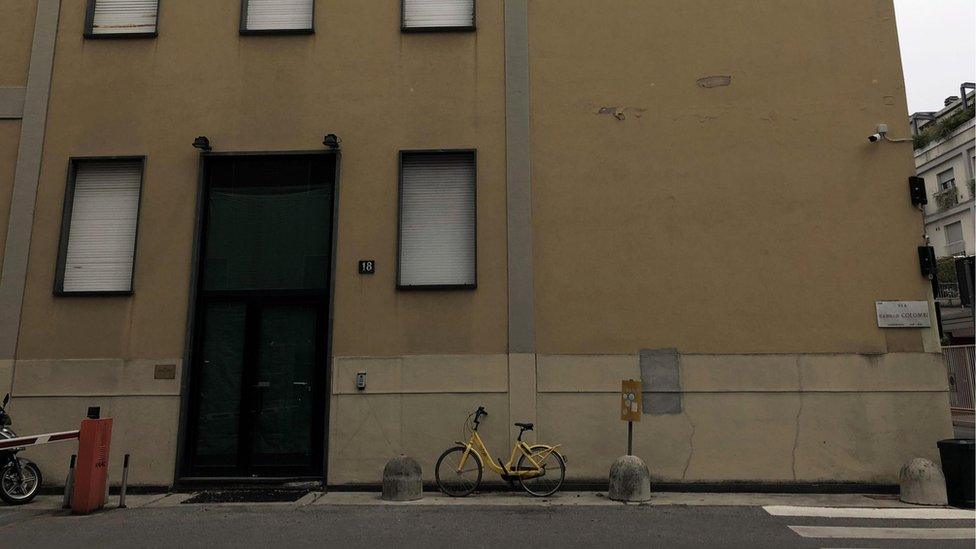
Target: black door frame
x: 182, y: 474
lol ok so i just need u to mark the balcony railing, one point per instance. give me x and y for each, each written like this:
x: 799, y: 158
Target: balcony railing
x: 948, y: 291
x: 947, y: 198
x: 956, y: 248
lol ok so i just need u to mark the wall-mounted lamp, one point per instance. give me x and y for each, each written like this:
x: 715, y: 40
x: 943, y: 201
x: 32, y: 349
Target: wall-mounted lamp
x: 927, y: 263
x: 916, y: 191
x: 332, y: 142
x: 202, y: 143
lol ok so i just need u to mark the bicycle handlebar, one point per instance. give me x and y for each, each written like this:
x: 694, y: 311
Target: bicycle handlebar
x: 477, y: 416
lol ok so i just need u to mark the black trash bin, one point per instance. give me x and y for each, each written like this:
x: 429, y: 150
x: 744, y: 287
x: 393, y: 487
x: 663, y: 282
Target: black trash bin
x: 957, y: 465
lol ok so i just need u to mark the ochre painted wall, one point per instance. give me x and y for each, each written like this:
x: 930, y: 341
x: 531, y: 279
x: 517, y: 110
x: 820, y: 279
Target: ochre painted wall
x: 9, y: 140
x: 727, y: 222
x: 753, y: 217
x: 357, y: 76
x: 16, y: 34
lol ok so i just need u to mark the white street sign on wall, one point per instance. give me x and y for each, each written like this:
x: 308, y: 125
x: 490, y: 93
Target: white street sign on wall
x: 903, y: 314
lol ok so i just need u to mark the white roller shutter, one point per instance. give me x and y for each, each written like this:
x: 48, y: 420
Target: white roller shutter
x: 278, y: 15
x: 102, y: 230
x: 124, y: 16
x: 423, y: 14
x: 437, y: 220
x: 953, y: 232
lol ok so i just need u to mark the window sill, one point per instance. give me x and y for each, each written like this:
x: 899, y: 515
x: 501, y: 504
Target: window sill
x: 276, y: 32
x: 120, y: 35
x: 418, y: 30
x: 60, y: 293
x: 437, y: 287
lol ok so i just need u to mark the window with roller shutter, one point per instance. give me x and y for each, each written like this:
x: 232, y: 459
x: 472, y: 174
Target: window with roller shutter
x: 437, y: 226
x: 121, y: 18
x: 434, y: 15
x: 277, y: 16
x: 98, y: 231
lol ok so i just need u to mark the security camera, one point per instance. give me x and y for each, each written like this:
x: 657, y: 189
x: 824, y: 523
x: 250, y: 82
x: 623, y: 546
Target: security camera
x: 882, y: 130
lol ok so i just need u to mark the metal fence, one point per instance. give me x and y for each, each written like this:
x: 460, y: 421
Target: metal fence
x: 959, y: 361
x: 948, y: 294
x: 948, y: 290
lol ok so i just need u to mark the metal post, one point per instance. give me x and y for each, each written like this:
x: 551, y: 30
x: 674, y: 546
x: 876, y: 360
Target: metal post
x: 125, y: 481
x: 69, y: 483
x: 630, y: 438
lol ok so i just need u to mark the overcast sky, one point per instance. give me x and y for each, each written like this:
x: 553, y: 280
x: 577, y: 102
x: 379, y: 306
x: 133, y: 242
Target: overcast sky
x: 938, y: 49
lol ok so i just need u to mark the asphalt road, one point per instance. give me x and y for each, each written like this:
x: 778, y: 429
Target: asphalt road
x: 210, y: 526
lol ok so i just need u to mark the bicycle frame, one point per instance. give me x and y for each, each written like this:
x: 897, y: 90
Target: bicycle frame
x: 476, y: 445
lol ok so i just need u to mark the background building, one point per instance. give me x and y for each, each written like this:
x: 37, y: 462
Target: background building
x: 945, y: 156
x: 946, y: 160
x: 531, y: 203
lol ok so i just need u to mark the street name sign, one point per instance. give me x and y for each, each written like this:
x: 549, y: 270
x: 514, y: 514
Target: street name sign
x: 903, y: 314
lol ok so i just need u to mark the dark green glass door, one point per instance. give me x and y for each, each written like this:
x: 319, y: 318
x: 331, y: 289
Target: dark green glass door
x: 257, y: 405
x: 283, y: 403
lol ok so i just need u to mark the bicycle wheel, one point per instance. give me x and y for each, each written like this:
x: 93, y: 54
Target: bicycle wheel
x: 454, y: 481
x: 553, y: 473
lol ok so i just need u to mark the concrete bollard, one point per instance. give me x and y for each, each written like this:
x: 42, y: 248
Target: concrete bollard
x: 922, y: 483
x: 630, y: 480
x: 402, y: 480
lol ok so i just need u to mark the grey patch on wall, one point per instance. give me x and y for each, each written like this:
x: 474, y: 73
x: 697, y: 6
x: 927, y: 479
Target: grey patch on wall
x: 714, y: 81
x: 661, y: 381
x: 620, y: 113
x: 12, y: 103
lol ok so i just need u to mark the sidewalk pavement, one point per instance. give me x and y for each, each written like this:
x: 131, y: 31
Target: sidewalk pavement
x: 49, y: 504
x: 496, y: 519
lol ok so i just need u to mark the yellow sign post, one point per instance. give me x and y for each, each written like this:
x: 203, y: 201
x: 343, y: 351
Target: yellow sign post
x: 630, y: 408
x: 630, y: 400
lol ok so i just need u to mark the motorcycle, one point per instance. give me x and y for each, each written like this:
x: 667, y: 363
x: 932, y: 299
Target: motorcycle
x: 20, y: 479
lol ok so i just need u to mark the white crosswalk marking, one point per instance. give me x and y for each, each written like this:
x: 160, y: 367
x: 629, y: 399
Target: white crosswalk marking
x: 871, y: 512
x: 857, y: 532
x: 885, y: 530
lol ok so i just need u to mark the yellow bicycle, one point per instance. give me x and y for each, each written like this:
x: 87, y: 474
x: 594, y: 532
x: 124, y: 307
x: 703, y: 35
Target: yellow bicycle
x: 541, y: 469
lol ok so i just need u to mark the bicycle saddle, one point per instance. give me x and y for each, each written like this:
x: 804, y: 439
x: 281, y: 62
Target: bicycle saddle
x: 525, y: 426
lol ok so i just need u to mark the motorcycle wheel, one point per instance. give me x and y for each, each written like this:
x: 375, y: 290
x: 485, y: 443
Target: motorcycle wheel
x: 20, y: 491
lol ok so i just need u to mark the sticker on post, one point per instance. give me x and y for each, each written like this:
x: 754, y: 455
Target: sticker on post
x: 630, y: 400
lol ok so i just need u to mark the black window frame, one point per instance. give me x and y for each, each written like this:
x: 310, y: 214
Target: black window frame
x: 244, y: 31
x: 434, y: 287
x: 951, y: 180
x: 470, y: 28
x: 962, y: 232
x: 90, y: 25
x: 66, y: 211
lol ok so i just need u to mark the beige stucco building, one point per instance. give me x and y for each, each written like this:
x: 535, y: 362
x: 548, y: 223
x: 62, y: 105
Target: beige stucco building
x: 948, y: 165
x: 621, y: 177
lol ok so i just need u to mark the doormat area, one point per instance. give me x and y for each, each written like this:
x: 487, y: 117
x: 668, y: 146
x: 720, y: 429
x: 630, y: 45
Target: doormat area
x: 247, y: 496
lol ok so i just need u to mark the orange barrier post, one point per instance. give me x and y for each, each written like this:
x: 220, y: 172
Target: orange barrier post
x: 91, y: 470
